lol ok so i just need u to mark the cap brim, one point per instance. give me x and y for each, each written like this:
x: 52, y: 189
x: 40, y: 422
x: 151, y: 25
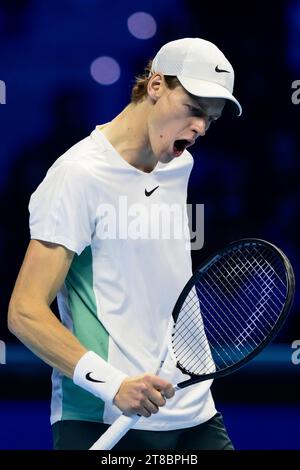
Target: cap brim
x: 204, y: 89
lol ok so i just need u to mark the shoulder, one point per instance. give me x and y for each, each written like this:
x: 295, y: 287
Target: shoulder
x: 80, y: 162
x: 69, y: 180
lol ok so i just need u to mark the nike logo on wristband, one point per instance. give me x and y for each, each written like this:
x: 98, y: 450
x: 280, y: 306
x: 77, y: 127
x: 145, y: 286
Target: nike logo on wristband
x: 88, y: 377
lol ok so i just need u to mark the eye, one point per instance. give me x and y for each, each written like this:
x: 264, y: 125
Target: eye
x: 193, y: 111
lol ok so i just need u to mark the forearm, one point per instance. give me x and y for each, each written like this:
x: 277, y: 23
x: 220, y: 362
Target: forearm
x: 38, y: 328
x: 32, y: 321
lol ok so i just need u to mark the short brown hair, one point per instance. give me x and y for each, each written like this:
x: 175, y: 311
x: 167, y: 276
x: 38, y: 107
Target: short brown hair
x: 139, y: 90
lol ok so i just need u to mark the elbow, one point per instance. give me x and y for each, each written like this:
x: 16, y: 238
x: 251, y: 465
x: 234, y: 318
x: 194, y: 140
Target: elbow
x: 16, y: 318
x: 12, y: 318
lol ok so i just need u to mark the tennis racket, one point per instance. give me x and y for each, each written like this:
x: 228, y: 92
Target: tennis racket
x: 230, y: 309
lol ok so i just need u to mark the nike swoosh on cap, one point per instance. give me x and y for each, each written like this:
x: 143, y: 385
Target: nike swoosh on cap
x: 148, y: 193
x: 221, y: 70
x: 88, y: 377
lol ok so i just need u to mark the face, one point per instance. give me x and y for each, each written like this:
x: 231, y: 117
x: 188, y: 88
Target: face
x: 177, y: 119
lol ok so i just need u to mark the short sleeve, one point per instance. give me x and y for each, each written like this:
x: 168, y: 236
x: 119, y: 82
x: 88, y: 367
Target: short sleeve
x: 61, y: 208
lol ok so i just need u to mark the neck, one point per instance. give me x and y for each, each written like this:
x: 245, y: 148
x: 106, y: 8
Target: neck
x: 128, y: 134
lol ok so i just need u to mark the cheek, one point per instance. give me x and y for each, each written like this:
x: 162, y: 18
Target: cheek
x: 162, y: 135
x: 159, y: 139
x: 158, y: 126
x: 166, y: 123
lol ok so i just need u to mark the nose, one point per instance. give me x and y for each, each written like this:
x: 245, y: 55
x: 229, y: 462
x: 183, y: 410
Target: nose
x: 199, y: 126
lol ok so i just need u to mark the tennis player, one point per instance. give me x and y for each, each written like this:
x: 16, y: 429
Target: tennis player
x: 116, y: 286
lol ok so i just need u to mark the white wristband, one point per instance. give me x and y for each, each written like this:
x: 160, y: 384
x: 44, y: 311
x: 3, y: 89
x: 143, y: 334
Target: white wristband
x: 97, y: 376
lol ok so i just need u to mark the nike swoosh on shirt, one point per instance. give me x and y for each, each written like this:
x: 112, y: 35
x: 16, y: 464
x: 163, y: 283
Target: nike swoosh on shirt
x: 148, y: 193
x: 88, y: 377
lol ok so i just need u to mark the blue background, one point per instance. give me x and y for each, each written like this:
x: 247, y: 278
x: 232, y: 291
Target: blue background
x: 246, y: 170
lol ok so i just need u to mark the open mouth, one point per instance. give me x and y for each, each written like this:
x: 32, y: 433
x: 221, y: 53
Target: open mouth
x: 180, y: 146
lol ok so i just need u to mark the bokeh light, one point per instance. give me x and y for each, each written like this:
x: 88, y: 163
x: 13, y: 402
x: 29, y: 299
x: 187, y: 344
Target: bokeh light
x: 142, y: 25
x: 105, y: 70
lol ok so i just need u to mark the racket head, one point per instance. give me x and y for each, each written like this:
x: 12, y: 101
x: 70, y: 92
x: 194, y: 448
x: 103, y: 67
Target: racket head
x: 251, y: 284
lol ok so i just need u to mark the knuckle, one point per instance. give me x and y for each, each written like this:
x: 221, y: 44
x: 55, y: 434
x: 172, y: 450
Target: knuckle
x: 136, y: 406
x: 143, y: 387
x: 147, y: 378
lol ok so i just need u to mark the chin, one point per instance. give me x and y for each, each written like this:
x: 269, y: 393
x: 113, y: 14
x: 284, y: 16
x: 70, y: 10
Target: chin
x: 166, y: 158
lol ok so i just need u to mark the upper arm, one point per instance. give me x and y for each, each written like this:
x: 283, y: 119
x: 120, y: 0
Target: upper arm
x: 42, y: 273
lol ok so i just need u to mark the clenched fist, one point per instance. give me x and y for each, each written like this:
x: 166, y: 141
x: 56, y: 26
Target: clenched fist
x: 143, y: 394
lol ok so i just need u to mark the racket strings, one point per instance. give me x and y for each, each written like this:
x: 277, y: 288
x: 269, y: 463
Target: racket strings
x: 191, y: 343
x: 229, y: 311
x: 264, y: 275
x: 244, y: 296
x: 188, y: 328
x: 263, y: 268
x: 227, y: 318
x: 189, y: 338
x: 259, y: 268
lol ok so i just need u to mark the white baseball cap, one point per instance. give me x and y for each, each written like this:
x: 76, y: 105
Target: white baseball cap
x: 200, y: 66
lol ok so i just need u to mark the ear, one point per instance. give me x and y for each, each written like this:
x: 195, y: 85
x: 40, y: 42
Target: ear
x: 156, y: 86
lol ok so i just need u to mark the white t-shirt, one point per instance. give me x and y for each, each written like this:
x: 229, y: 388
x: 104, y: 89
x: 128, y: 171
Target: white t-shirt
x: 128, y: 269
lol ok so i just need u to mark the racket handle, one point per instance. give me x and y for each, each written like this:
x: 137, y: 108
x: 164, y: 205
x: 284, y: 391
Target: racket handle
x: 115, y: 432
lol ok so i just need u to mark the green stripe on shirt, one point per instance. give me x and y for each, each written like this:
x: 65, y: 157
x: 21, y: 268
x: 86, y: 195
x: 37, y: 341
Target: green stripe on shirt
x: 76, y: 402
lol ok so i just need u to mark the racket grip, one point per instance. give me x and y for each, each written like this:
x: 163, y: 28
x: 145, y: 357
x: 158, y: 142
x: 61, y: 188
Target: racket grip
x: 115, y: 432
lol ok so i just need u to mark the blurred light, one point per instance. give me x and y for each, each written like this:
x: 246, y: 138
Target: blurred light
x: 105, y: 70
x: 142, y: 25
